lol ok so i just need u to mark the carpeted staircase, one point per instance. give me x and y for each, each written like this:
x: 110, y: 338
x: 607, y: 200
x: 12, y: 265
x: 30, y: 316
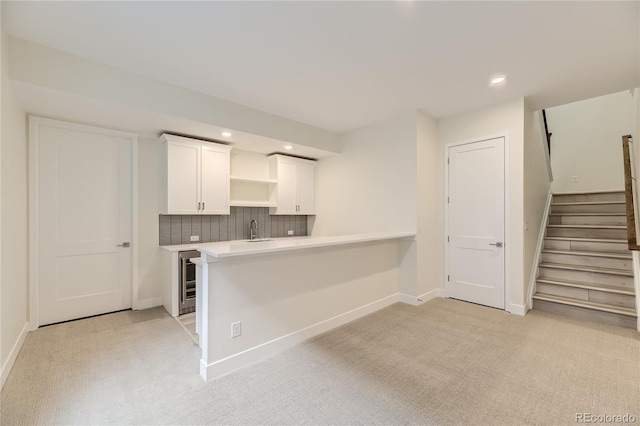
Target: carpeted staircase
x: 586, y: 269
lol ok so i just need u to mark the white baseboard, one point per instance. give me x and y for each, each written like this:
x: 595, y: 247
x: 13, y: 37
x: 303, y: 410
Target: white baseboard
x: 149, y: 303
x: 519, y: 309
x: 274, y: 347
x: 6, y: 368
x: 419, y: 300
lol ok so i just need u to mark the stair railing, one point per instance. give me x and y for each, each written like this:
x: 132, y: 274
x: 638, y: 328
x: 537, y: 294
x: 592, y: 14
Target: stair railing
x: 545, y: 140
x: 630, y: 192
x: 546, y: 130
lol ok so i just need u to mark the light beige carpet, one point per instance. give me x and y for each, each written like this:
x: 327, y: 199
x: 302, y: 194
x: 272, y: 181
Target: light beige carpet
x: 445, y: 362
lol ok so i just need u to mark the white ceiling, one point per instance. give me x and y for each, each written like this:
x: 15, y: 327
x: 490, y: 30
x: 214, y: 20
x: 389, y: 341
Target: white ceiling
x: 343, y: 65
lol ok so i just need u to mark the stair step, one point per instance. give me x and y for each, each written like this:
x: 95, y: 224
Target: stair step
x: 588, y: 219
x: 587, y: 244
x: 588, y: 286
x: 608, y: 271
x: 589, y: 240
x: 589, y: 226
x: 597, y: 293
x: 591, y: 254
x: 595, y: 275
x: 590, y: 275
x: 589, y: 196
x: 586, y: 314
x: 586, y: 304
x: 589, y: 214
x: 595, y: 259
x: 589, y: 207
x: 587, y: 203
x: 587, y: 231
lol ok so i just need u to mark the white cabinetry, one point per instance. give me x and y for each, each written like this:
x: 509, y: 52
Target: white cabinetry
x: 295, y: 192
x: 196, y: 178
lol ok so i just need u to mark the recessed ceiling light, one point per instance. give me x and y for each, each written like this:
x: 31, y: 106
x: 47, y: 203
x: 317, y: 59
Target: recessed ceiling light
x: 226, y: 134
x: 498, y: 80
x: 288, y: 147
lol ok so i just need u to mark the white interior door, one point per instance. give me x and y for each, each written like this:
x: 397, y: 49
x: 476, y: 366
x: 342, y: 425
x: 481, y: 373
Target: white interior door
x: 476, y: 223
x: 84, y: 216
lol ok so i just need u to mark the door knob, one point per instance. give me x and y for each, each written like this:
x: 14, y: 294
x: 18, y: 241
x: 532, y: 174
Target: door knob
x: 498, y: 244
x: 124, y: 244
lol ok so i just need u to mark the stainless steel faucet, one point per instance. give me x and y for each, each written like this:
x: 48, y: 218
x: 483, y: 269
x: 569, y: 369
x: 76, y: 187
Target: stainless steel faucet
x: 253, y: 229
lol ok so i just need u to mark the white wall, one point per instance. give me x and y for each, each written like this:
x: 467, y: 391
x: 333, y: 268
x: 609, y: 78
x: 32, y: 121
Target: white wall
x: 536, y: 190
x: 430, y: 181
x: 2, y: 65
x: 149, y: 256
x: 507, y: 118
x: 389, y: 177
x: 45, y: 67
x: 283, y: 298
x: 13, y: 221
x: 587, y: 141
x: 372, y: 185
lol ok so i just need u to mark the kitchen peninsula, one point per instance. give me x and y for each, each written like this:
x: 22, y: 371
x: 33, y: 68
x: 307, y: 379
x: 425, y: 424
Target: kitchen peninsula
x: 283, y: 291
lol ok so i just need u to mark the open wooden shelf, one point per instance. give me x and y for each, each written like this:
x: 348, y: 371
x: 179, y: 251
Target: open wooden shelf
x: 251, y: 203
x: 252, y: 180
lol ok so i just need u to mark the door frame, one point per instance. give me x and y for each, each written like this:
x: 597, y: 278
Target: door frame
x: 507, y: 210
x: 34, y: 224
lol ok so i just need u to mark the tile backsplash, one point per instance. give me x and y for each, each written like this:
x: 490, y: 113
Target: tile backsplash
x: 178, y: 229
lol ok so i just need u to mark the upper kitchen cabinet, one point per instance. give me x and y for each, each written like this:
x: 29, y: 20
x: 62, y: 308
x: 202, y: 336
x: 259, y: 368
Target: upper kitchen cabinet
x: 296, y: 189
x: 196, y: 178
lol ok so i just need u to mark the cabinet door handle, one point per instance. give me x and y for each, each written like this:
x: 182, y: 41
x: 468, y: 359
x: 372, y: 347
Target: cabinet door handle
x: 199, y: 206
x: 202, y: 205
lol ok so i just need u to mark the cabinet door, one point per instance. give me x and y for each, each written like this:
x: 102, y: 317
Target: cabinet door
x: 287, y: 199
x: 183, y: 169
x: 215, y: 181
x: 306, y: 189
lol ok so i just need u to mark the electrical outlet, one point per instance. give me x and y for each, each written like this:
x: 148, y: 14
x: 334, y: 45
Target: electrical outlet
x: 236, y: 329
x: 289, y: 232
x: 574, y: 179
x: 195, y: 238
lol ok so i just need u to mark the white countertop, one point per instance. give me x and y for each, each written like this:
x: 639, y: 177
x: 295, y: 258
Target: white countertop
x: 226, y: 249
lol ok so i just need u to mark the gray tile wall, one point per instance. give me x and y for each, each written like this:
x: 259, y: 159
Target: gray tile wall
x: 176, y: 229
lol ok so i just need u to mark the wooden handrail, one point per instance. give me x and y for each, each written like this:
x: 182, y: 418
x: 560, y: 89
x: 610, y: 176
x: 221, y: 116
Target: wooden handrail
x: 629, y: 193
